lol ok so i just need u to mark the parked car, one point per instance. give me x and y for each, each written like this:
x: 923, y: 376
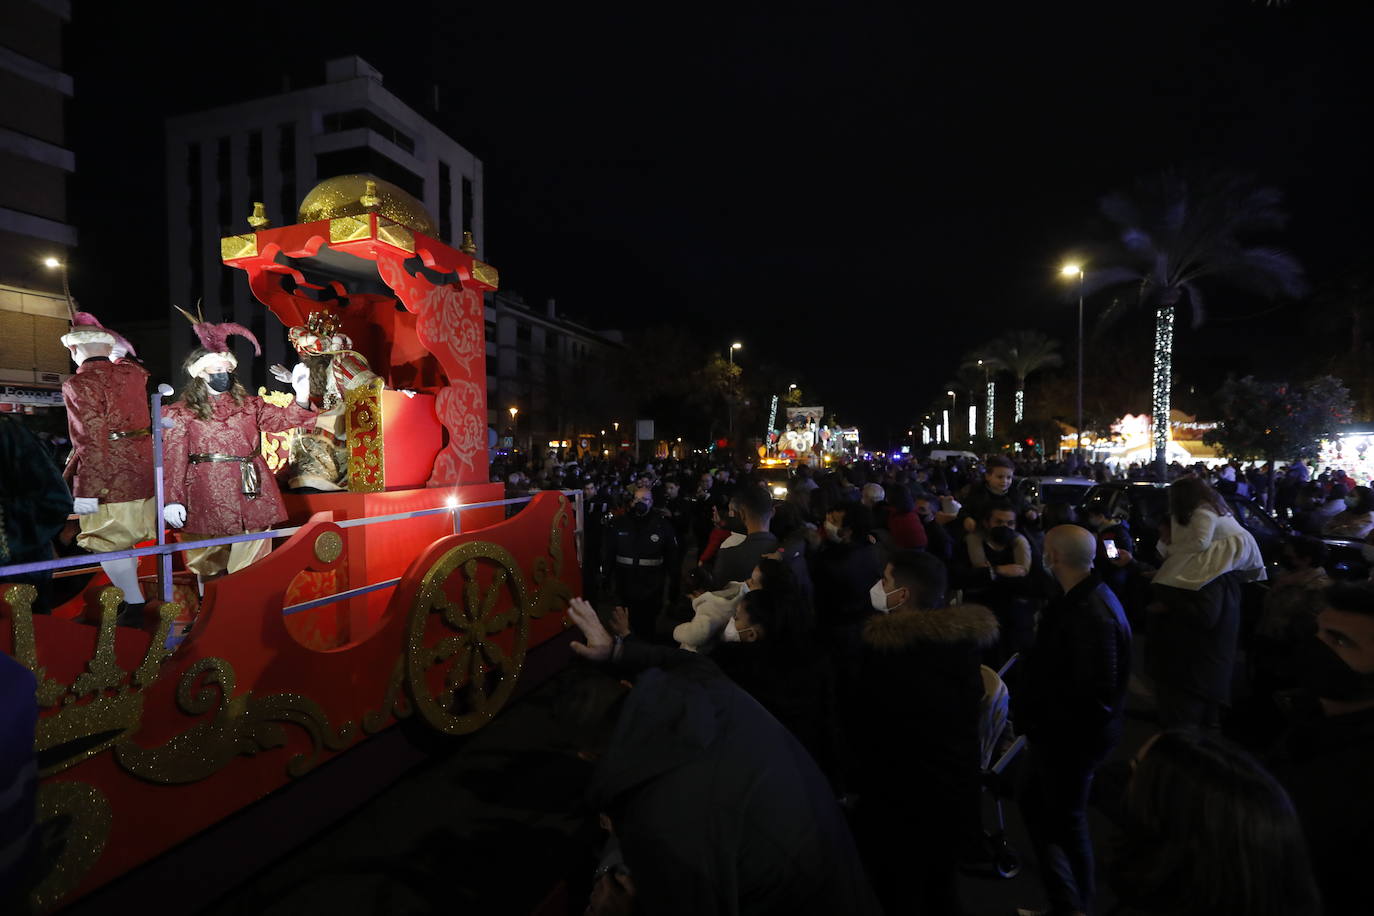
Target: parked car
x: 1049, y: 491
x: 1144, y: 505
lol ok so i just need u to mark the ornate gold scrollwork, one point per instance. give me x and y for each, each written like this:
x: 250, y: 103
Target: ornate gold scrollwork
x: 79, y: 814
x: 479, y: 675
x: 363, y: 413
x: 242, y: 724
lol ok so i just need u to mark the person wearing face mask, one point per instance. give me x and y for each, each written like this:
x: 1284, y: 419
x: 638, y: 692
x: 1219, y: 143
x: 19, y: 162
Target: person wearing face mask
x: 1326, y: 758
x: 996, y: 485
x: 217, y: 482
x: 111, y: 463
x: 914, y: 728
x: 1357, y: 519
x: 1070, y: 704
x: 995, y: 566
x: 642, y: 550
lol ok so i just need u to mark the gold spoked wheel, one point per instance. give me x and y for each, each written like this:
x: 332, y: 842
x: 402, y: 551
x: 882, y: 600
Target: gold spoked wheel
x: 466, y: 641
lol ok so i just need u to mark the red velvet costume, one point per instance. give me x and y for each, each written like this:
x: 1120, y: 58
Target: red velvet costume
x: 105, y: 398
x: 212, y: 492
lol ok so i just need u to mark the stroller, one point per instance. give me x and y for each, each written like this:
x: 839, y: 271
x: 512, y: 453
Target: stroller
x: 999, y: 744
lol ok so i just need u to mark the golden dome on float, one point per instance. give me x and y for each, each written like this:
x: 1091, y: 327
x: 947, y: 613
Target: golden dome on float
x: 357, y: 195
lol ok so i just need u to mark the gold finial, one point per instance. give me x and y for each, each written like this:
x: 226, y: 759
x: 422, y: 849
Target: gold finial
x: 469, y: 245
x: 370, y: 200
x: 258, y: 219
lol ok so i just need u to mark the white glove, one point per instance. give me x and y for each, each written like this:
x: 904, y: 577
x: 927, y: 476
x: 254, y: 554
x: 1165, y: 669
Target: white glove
x: 175, y: 514
x: 300, y: 383
x: 281, y: 373
x: 85, y: 505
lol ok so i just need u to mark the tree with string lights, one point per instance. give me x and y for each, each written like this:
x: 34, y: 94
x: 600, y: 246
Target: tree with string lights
x: 1177, y: 236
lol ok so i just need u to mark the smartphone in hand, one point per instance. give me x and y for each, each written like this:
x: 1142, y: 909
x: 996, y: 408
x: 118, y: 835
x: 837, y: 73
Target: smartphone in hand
x: 1110, y: 546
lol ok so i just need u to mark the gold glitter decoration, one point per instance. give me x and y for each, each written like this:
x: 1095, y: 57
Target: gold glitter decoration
x: 101, y: 671
x: 485, y: 273
x: 276, y: 447
x: 553, y: 594
x: 342, y: 196
x: 258, y: 219
x: 469, y: 245
x: 480, y: 674
x: 350, y: 228
x: 395, y: 234
x: 233, y: 247
x: 393, y: 704
x: 363, y: 412
x: 20, y: 599
x: 81, y: 730
x: 242, y: 724
x: 79, y: 814
x: 328, y: 546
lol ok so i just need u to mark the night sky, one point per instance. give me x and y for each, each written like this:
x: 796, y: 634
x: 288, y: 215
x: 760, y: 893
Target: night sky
x: 861, y: 194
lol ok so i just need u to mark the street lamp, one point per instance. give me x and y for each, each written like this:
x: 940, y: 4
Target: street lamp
x: 1075, y: 270
x: 514, y: 430
x: 733, y: 347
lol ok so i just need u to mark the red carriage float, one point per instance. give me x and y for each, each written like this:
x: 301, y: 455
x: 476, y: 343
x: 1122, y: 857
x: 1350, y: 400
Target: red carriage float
x: 409, y: 596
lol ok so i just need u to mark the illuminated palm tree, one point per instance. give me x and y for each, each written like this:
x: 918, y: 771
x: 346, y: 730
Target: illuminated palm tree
x: 1177, y: 237
x: 1022, y: 353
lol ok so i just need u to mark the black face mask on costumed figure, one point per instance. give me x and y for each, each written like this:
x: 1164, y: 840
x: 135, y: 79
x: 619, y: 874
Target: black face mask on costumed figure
x: 218, y: 381
x: 1327, y: 675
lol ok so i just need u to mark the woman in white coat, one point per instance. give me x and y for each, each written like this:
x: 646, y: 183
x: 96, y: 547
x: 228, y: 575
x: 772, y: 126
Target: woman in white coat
x: 1195, y: 624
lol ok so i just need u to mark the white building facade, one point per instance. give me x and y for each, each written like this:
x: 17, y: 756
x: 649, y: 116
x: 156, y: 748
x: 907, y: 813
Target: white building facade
x: 274, y: 150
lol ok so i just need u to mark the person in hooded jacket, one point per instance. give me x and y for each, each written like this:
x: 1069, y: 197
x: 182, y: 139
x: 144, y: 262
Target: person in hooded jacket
x: 915, y: 731
x: 716, y: 807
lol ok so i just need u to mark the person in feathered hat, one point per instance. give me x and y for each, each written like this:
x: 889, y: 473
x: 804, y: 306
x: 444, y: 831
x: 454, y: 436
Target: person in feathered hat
x: 217, y: 482
x: 111, y: 466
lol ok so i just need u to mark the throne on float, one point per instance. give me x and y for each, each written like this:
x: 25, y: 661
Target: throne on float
x: 364, y: 252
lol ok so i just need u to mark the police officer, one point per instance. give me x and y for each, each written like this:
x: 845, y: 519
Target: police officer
x: 596, y: 513
x: 642, y: 551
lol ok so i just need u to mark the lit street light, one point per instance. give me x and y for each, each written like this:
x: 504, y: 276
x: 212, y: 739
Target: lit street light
x: 1075, y: 270
x: 733, y: 347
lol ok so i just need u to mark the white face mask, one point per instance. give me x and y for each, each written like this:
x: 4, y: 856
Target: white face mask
x: 730, y: 634
x: 877, y: 596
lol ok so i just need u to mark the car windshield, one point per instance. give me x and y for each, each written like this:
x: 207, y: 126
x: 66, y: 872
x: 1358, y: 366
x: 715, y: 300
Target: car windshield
x: 1071, y: 493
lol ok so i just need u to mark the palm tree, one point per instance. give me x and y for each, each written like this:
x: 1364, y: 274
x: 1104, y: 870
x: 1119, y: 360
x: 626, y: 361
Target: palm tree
x: 1177, y: 236
x: 1022, y: 353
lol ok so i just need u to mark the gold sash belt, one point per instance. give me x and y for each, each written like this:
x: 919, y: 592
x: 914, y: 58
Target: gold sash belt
x: 130, y: 434
x: 248, y: 470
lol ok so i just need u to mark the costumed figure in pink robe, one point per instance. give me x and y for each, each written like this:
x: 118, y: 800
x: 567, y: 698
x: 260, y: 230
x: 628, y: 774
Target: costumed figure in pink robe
x: 111, y: 465
x: 217, y: 482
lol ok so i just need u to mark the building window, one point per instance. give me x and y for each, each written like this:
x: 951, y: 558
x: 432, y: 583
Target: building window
x: 194, y: 239
x: 363, y: 160
x: 255, y: 166
x: 522, y: 333
x: 223, y: 173
x: 445, y: 203
x: 550, y: 342
x: 467, y: 204
x: 339, y: 121
x: 522, y: 366
x: 491, y: 332
x: 286, y: 164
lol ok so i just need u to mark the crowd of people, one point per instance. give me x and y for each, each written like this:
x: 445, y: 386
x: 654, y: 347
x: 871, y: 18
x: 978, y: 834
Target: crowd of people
x: 807, y: 726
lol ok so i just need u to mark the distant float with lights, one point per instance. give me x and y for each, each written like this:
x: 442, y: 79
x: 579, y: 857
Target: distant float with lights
x: 276, y: 673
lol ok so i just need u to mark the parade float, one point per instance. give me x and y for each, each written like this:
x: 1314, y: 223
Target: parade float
x: 407, y: 594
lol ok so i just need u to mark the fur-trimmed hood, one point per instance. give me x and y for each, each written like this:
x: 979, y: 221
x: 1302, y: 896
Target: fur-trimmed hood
x: 947, y: 625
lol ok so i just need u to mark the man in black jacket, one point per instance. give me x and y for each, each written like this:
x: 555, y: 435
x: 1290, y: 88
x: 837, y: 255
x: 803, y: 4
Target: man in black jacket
x: 915, y: 730
x: 736, y: 564
x: 716, y: 807
x: 1070, y: 703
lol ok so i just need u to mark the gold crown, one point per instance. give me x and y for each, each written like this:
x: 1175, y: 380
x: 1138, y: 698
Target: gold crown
x: 104, y: 702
